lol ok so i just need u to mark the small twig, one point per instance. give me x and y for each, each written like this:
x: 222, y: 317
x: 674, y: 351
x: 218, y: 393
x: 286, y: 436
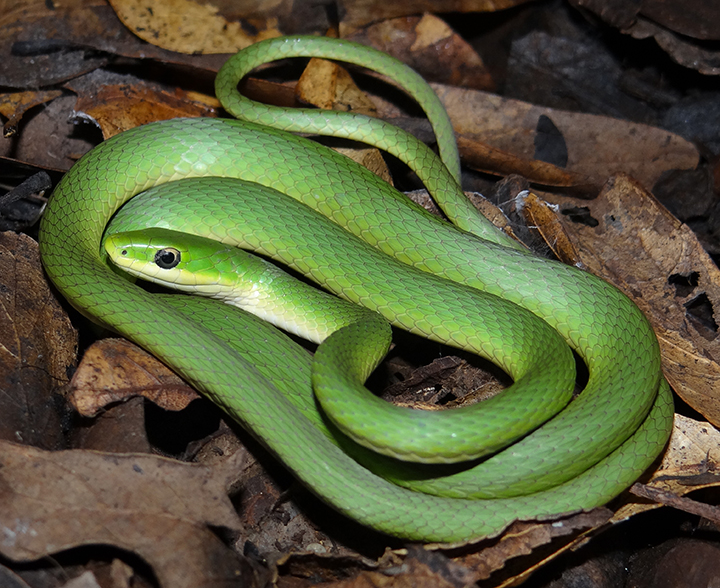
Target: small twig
x: 34, y: 185
x: 666, y: 498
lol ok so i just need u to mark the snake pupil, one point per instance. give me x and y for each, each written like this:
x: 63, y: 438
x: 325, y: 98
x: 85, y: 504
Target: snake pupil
x: 167, y: 258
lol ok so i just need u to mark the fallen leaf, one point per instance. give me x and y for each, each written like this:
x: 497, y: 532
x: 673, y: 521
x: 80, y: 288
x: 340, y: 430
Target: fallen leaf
x: 113, y: 370
x: 679, y: 563
x: 691, y: 462
x: 675, y: 27
x: 543, y: 217
x: 428, y: 45
x: 329, y: 86
x: 687, y: 53
x: 189, y: 27
x: 157, y: 508
x: 14, y: 106
x: 357, y: 13
x: 118, y: 102
x: 598, y: 146
x: 38, y: 346
x: 45, y: 44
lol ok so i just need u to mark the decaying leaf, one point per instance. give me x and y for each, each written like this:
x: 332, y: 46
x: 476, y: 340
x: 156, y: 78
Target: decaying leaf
x: 158, y: 508
x: 598, y: 146
x: 113, y: 370
x: 13, y: 106
x: 44, y: 44
x: 117, y: 103
x: 327, y: 85
x: 680, y: 29
x: 186, y: 26
x: 37, y: 346
x: 428, y: 45
x: 357, y: 13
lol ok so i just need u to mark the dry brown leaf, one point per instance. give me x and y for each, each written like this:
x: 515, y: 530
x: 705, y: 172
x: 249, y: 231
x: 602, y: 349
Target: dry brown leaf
x: 543, y: 217
x: 689, y: 463
x: 674, y: 26
x: 329, y: 86
x: 597, y: 146
x: 692, y: 18
x: 49, y: 43
x: 158, y: 508
x: 14, y: 106
x: 113, y: 370
x: 687, y: 53
x: 189, y: 27
x: 357, y: 13
x: 118, y: 103
x: 428, y: 45
x: 38, y: 346
x: 657, y: 261
x: 482, y: 157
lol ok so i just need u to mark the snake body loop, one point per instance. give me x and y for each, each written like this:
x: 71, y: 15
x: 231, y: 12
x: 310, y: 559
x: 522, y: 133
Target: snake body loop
x: 583, y: 457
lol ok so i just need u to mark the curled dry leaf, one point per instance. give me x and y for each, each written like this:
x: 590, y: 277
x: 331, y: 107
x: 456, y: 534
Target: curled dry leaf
x: 157, y: 508
x: 704, y: 58
x: 14, y: 106
x: 676, y: 27
x: 543, y: 217
x: 44, y: 44
x: 687, y: 465
x: 691, y: 462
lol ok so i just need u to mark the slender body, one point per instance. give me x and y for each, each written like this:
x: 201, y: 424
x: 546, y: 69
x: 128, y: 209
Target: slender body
x: 583, y: 457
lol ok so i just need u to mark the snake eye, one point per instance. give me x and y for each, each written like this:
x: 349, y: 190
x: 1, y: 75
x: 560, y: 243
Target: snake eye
x: 167, y: 258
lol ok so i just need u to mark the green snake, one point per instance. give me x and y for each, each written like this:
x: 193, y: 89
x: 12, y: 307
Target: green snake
x: 583, y: 457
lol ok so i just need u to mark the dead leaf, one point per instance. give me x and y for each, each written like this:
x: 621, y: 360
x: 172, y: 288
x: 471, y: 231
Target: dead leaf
x: 189, y: 27
x: 117, y: 103
x: 113, y: 370
x: 428, y: 45
x: 516, y: 554
x: 38, y: 346
x: 687, y: 53
x: 543, y: 217
x: 45, y: 44
x: 13, y: 106
x: 675, y: 27
x: 329, y: 86
x: 598, y: 146
x: 678, y: 563
x: 691, y: 462
x: 357, y: 13
x: 482, y: 157
x: 157, y: 508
